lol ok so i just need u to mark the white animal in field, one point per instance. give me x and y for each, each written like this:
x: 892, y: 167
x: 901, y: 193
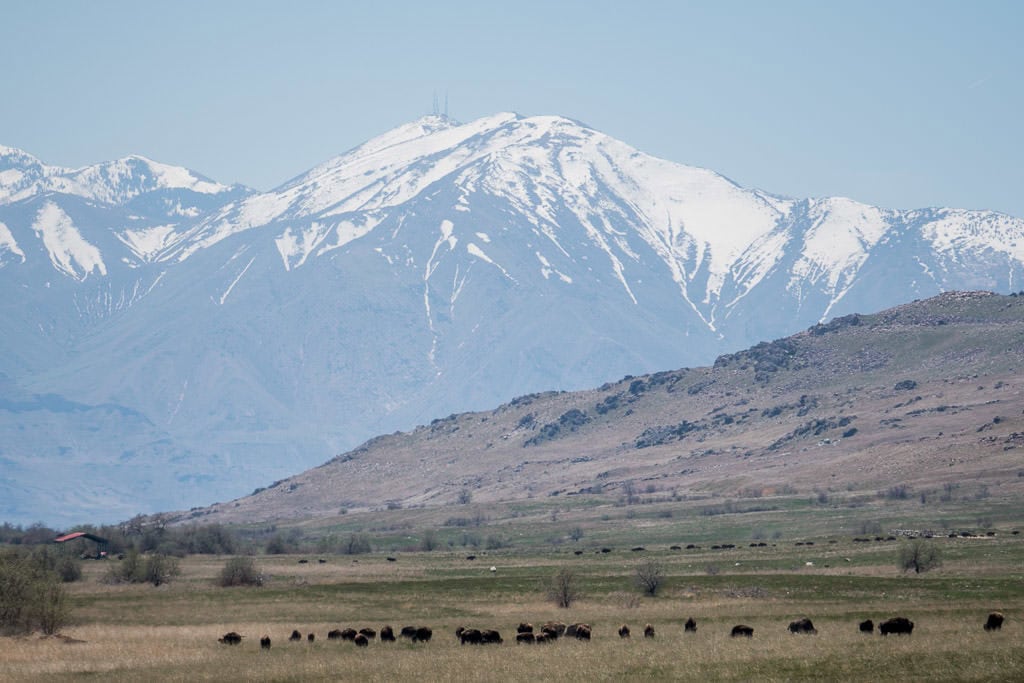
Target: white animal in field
x: 494, y: 569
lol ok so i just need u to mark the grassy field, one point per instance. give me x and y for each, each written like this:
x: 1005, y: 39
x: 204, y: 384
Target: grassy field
x: 138, y: 632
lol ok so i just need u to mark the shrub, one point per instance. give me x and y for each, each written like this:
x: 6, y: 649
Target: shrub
x: 920, y: 556
x: 156, y: 569
x: 31, y: 596
x: 563, y: 588
x: 649, y: 576
x: 240, y: 571
x: 357, y: 544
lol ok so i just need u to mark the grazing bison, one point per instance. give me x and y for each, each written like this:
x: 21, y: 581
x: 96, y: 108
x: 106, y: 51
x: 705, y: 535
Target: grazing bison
x: 265, y: 643
x: 690, y: 626
x: 623, y: 631
x: 867, y: 626
x: 490, y: 636
x: 360, y: 640
x: 469, y: 636
x: 230, y: 638
x: 803, y: 625
x: 542, y: 638
x: 742, y: 630
x: 524, y: 628
x: 648, y: 631
x: 526, y: 638
x: 995, y: 621
x: 897, y: 625
x: 334, y: 635
x: 423, y: 635
x: 311, y: 637
x: 295, y: 636
x: 369, y: 633
x: 579, y: 631
x: 387, y: 635
x: 408, y: 632
x: 552, y: 630
x: 349, y: 634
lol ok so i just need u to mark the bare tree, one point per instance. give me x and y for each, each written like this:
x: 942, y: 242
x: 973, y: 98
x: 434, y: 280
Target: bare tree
x: 649, y: 576
x: 920, y: 556
x: 563, y: 588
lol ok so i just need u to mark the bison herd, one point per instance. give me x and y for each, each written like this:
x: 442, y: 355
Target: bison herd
x: 551, y: 631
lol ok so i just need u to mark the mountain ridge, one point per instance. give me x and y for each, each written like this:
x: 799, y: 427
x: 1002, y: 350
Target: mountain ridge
x: 473, y: 263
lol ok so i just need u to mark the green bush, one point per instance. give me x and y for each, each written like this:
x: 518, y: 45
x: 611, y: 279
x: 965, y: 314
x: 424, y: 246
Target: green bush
x: 156, y: 569
x: 31, y: 596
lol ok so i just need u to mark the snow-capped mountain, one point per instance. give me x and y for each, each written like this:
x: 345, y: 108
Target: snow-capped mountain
x: 225, y: 338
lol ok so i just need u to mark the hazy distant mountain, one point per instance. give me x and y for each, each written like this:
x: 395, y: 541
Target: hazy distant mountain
x: 236, y: 337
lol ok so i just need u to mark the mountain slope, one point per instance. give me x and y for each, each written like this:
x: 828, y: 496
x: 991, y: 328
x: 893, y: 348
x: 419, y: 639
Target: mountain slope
x: 926, y: 394
x: 439, y: 267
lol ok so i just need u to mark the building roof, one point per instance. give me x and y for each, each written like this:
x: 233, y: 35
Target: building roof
x: 79, y: 534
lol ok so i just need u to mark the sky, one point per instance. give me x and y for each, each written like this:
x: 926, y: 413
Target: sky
x: 899, y: 104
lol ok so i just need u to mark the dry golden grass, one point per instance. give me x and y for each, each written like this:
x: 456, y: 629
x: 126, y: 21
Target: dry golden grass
x: 135, y: 633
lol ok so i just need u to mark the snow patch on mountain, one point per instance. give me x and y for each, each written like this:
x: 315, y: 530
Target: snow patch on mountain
x: 8, y: 244
x: 69, y: 252
x: 147, y: 243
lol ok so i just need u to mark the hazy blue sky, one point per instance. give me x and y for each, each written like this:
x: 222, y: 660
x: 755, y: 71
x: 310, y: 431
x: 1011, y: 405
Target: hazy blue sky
x: 901, y: 104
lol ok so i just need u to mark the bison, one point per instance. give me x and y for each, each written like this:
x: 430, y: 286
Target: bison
x: 387, y: 635
x: 542, y: 638
x: 265, y: 643
x: 524, y: 628
x: 648, y: 631
x: 490, y: 636
x: 368, y: 633
x: 623, y: 631
x: 553, y: 629
x: 334, y: 635
x: 867, y: 626
x: 349, y: 634
x: 295, y: 636
x: 690, y: 626
x: 742, y: 630
x: 995, y: 621
x: 469, y: 636
x: 408, y: 632
x: 579, y: 631
x: 230, y: 638
x: 525, y: 638
x: 423, y: 635
x: 897, y: 625
x: 803, y: 625
x: 311, y: 637
x: 360, y: 640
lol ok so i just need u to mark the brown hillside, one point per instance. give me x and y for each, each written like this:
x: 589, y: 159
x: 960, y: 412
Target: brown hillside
x: 925, y: 394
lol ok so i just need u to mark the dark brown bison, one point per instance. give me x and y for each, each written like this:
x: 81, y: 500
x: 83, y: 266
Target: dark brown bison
x: 623, y: 631
x: 230, y: 638
x: 265, y: 643
x: 349, y: 634
x: 995, y: 621
x: 526, y: 638
x: 897, y: 625
x: 490, y: 636
x: 408, y: 632
x: 690, y: 626
x: 387, y: 635
x: 369, y: 633
x: 423, y: 635
x: 803, y: 625
x: 360, y: 640
x: 867, y: 626
x: 469, y: 636
x: 311, y: 637
x: 648, y: 631
x: 295, y: 636
x: 554, y: 629
x: 524, y: 628
x: 742, y: 630
x: 334, y: 635
x: 542, y: 638
x: 578, y: 631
